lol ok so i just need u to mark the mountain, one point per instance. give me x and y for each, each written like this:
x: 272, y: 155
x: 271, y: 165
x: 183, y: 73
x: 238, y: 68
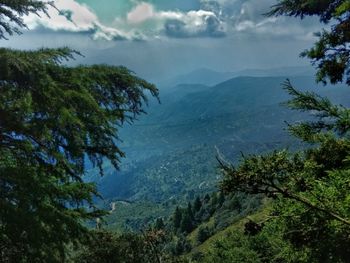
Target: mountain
x: 209, y: 77
x: 275, y: 72
x: 171, y: 151
x: 202, y: 76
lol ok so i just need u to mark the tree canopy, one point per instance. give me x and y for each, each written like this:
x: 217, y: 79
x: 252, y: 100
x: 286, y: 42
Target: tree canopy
x: 54, y: 119
x: 331, y: 53
x: 12, y: 12
x: 310, y: 188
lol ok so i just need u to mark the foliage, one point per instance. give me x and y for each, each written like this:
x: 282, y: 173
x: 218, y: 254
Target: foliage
x: 159, y: 225
x: 331, y: 52
x: 186, y: 224
x: 265, y: 246
x: 203, y: 234
x: 53, y: 120
x: 177, y: 217
x: 106, y: 247
x: 197, y: 204
x: 11, y: 13
x: 182, y: 246
x: 133, y: 216
x: 191, y: 228
x: 310, y: 188
x: 168, y: 163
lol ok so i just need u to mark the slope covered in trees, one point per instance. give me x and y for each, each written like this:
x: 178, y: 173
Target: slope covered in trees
x: 307, y: 219
x: 171, y: 152
x: 310, y: 188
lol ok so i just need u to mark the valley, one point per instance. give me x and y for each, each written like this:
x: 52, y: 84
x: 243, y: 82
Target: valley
x: 171, y: 151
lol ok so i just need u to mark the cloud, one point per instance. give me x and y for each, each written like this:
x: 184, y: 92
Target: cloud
x: 178, y: 24
x: 141, y: 13
x: 76, y: 17
x: 246, y: 18
x: 144, y: 21
x: 195, y: 24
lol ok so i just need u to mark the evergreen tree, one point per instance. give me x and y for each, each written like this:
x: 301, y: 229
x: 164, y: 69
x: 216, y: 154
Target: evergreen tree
x: 214, y: 200
x: 235, y: 204
x: 311, y: 187
x: 197, y: 204
x: 203, y: 234
x: 11, y: 21
x: 177, y: 216
x: 206, y: 198
x: 221, y: 198
x: 331, y: 52
x: 189, y: 210
x: 159, y: 224
x: 107, y: 247
x: 53, y: 120
x: 182, y: 246
x: 186, y: 225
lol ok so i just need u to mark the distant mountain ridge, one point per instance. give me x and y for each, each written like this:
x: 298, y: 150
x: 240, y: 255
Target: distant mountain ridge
x: 171, y: 151
x: 209, y: 77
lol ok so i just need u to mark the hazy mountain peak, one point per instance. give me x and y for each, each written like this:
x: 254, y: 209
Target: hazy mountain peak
x: 210, y: 77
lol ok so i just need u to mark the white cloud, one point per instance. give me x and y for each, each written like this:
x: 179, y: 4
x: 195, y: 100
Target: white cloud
x: 215, y: 18
x: 140, y: 13
x: 178, y: 24
x: 82, y: 16
x: 75, y: 17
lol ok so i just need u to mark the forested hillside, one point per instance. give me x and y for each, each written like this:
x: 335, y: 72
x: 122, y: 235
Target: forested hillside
x: 172, y: 151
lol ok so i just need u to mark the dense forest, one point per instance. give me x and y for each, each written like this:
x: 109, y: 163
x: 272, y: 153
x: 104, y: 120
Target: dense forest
x: 220, y: 181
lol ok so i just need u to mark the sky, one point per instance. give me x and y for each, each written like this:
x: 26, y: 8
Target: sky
x: 159, y: 39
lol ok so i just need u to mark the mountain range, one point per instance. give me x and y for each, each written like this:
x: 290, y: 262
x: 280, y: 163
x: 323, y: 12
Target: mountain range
x: 171, y: 152
x: 206, y: 76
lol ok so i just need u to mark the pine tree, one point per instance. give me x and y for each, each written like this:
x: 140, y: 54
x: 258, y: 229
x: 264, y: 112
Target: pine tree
x: 207, y: 198
x: 177, y: 216
x: 331, y: 52
x: 54, y: 119
x: 221, y: 198
x: 11, y: 21
x: 310, y: 188
x: 186, y: 225
x: 159, y: 224
x: 203, y: 234
x: 197, y: 204
x: 189, y: 210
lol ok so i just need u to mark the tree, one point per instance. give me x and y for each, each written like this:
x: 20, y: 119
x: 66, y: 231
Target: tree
x: 310, y: 188
x: 53, y: 120
x: 129, y: 248
x: 182, y: 246
x: 186, y: 225
x: 331, y: 52
x: 264, y: 247
x: 159, y: 224
x: 11, y: 20
x: 203, y: 234
x: 177, y: 216
x: 206, y: 198
x: 197, y: 204
x: 189, y: 210
x: 221, y: 198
